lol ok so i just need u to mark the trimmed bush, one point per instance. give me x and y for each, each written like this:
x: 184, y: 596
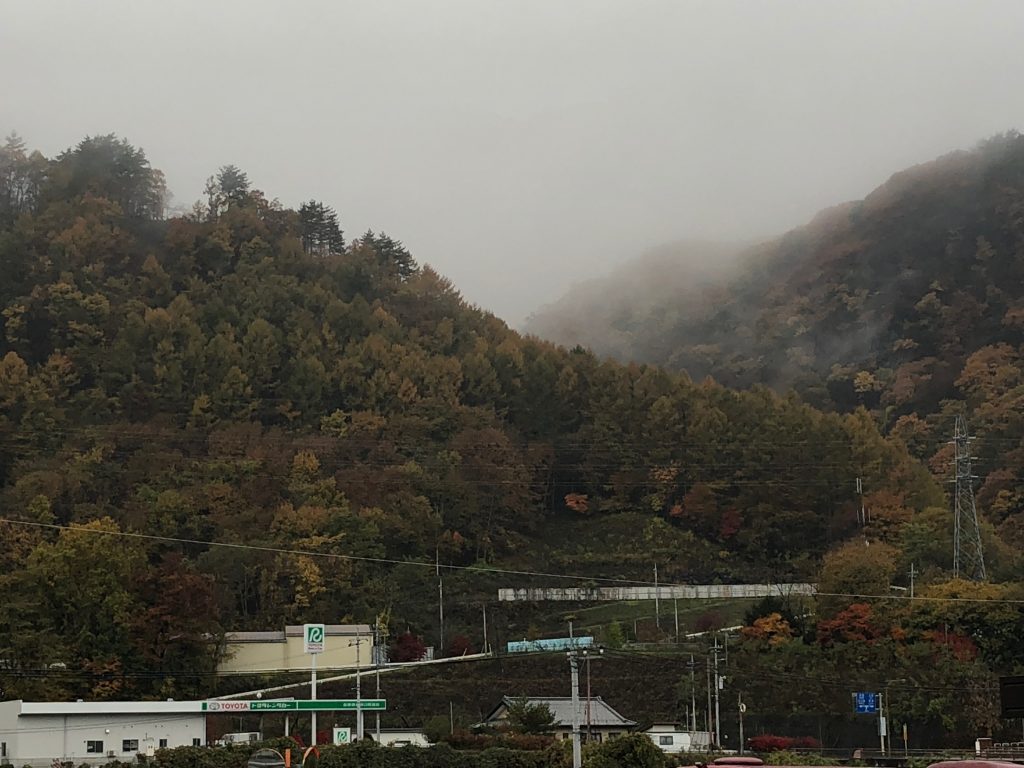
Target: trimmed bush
x: 632, y: 751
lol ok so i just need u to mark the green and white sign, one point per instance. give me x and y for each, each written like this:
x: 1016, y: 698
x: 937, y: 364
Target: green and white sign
x: 342, y: 736
x: 313, y: 638
x: 319, y: 705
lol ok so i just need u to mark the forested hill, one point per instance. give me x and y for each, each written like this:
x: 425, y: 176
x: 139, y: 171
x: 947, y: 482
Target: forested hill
x: 244, y: 375
x: 909, y: 302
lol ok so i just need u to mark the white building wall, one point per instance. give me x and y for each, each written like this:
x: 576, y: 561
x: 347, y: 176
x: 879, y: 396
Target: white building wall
x: 8, y: 730
x: 682, y: 739
x: 38, y: 739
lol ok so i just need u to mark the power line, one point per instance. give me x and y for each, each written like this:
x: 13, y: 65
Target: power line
x: 478, y: 569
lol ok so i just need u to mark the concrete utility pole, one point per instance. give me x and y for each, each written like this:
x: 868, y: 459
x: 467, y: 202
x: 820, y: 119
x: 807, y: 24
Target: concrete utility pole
x: 589, y: 734
x: 742, y: 708
x: 574, y: 668
x: 359, y: 692
x: 718, y: 687
x: 657, y: 612
x: 440, y: 600
x: 913, y: 573
x: 484, y: 608
x: 708, y: 718
x: 376, y: 665
x: 693, y: 693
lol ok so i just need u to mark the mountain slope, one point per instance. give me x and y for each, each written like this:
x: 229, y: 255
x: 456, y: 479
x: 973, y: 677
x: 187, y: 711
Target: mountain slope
x: 303, y: 427
x: 909, y: 302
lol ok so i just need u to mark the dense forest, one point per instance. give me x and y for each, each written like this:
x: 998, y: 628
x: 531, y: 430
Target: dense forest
x: 909, y: 303
x: 238, y: 418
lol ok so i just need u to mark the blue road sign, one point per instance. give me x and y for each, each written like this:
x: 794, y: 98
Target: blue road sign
x: 865, y: 703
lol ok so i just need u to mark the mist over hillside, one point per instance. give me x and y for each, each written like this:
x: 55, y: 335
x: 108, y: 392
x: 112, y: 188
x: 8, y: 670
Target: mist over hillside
x: 624, y: 313
x: 909, y: 302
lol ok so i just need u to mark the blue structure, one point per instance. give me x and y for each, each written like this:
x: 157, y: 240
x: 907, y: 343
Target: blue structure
x: 550, y: 644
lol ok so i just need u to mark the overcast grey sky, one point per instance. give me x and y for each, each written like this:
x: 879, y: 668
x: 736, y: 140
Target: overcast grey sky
x: 521, y: 145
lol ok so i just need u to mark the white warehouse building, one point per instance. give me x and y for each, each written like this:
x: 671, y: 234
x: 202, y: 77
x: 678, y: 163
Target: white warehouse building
x: 95, y: 732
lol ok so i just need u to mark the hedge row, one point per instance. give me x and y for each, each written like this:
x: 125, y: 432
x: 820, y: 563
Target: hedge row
x: 367, y: 754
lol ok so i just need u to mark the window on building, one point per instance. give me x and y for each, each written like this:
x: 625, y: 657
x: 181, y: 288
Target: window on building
x: 613, y: 734
x: 163, y: 743
x: 3, y: 749
x: 130, y: 745
x: 94, y: 747
x: 665, y: 741
x: 197, y: 743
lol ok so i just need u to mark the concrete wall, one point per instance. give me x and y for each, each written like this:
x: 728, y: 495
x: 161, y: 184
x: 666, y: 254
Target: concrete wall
x: 262, y: 656
x: 38, y: 739
x: 675, y: 592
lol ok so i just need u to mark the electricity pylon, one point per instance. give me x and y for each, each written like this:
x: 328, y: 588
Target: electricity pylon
x: 968, y: 560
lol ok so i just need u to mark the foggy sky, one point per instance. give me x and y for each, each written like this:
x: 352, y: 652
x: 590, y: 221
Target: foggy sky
x: 522, y: 145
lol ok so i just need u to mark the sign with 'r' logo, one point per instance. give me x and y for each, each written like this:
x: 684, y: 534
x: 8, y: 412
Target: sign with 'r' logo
x: 313, y: 638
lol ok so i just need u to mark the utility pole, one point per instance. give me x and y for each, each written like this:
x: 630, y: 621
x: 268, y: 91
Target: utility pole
x: 574, y: 668
x: 718, y: 686
x: 968, y: 559
x: 708, y: 718
x: 862, y: 513
x: 440, y: 599
x: 657, y: 612
x: 693, y: 694
x: 912, y: 574
x: 589, y: 734
x: 359, y: 691
x: 483, y: 606
x: 675, y: 609
x: 741, y: 707
x: 376, y: 665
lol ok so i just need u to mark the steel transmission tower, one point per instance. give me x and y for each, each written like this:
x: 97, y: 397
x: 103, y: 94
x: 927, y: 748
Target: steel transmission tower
x: 968, y: 560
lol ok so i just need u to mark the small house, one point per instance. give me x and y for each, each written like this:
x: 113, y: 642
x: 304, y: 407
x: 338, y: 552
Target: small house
x: 598, y: 721
x: 673, y: 738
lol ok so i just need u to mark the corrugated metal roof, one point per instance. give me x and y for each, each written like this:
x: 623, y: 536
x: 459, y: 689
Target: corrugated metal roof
x: 561, y: 707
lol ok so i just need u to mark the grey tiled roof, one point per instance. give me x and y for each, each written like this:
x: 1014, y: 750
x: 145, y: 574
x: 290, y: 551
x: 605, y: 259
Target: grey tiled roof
x: 561, y: 707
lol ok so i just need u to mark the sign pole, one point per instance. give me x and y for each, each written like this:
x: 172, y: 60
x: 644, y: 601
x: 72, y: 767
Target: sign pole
x: 881, y: 722
x: 312, y: 696
x: 313, y: 636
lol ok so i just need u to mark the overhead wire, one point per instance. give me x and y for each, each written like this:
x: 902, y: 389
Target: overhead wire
x: 477, y: 569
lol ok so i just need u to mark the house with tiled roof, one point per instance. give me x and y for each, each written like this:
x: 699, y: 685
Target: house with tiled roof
x: 598, y: 721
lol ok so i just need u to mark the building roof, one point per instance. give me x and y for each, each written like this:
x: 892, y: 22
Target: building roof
x: 109, y: 707
x: 295, y: 630
x: 601, y: 714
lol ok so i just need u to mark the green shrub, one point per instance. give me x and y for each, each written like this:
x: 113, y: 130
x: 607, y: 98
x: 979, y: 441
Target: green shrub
x: 785, y: 757
x: 632, y: 751
x: 369, y: 754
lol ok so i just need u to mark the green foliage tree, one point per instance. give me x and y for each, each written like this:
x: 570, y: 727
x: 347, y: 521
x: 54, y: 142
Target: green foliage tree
x: 525, y: 717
